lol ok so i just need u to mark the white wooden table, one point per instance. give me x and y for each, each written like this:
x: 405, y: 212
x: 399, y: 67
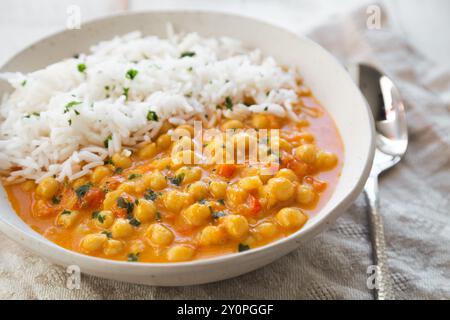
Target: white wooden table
x: 424, y: 23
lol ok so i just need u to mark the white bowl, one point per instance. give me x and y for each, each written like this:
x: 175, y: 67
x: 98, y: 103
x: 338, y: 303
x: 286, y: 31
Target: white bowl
x: 322, y: 73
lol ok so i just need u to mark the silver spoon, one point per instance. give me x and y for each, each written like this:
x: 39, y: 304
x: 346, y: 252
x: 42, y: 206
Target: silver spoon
x: 392, y: 140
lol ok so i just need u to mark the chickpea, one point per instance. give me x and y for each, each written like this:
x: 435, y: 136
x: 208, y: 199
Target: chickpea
x: 284, y: 145
x: 291, y: 218
x: 47, y: 188
x: 236, y: 226
x: 121, y: 161
x: 175, y: 200
x: 104, y: 219
x: 196, y: 214
x: 159, y: 235
x: 145, y: 211
x: 148, y: 151
x: 198, y: 190
x: 232, y: 124
x: 306, y: 137
x: 100, y: 173
x: 93, y: 242
x: 326, y: 160
x: 113, y: 247
x: 282, y: 188
x: 306, y: 153
x: 67, y: 218
x: 155, y: 180
x: 266, y: 229
x: 127, y: 187
x: 183, y: 130
x: 121, y: 229
x: 163, y: 142
x: 184, y: 143
x: 218, y: 189
x: 235, y: 195
x: 305, y: 194
x: 260, y: 121
x: 162, y: 163
x: 137, y: 246
x: 267, y: 194
x: 250, y: 183
x: 180, y: 253
x: 111, y: 199
x: 183, y: 157
x: 79, y: 182
x: 287, y: 174
x: 212, y: 235
x: 189, y: 174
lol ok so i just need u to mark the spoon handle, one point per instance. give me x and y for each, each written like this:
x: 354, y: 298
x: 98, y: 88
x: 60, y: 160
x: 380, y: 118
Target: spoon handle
x: 383, y: 288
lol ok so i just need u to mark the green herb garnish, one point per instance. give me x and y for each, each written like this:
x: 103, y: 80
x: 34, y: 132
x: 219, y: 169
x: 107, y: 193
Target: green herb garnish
x: 133, y: 257
x: 187, y: 54
x: 108, y: 234
x: 218, y: 214
x: 118, y: 170
x: 135, y: 222
x: 243, y: 247
x: 23, y: 83
x: 82, y: 190
x: 177, y: 180
x: 106, y: 141
x: 150, y: 195
x: 152, y: 116
x: 56, y: 200
x: 66, y: 212
x: 81, y: 67
x: 122, y: 203
x: 70, y: 105
x: 131, y: 74
x: 228, y: 103
x: 125, y: 92
x: 158, y: 216
x: 221, y: 201
x: 134, y: 176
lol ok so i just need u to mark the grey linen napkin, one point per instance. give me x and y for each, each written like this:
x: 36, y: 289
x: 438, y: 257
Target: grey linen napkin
x: 415, y: 203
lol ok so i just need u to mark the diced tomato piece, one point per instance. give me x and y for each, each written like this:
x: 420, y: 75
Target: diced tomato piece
x: 254, y: 205
x: 92, y: 199
x: 317, y: 184
x: 226, y: 170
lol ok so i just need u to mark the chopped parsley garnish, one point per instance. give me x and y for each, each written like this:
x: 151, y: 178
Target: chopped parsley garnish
x: 218, y: 214
x: 82, y: 190
x: 97, y: 215
x: 152, y: 116
x: 158, y: 216
x: 135, y: 222
x: 106, y: 141
x: 266, y: 108
x: 243, y: 247
x: 125, y: 92
x: 187, y: 54
x: 23, y: 83
x: 118, y: 170
x: 56, y: 200
x: 177, y: 180
x: 81, y: 67
x: 131, y: 74
x: 228, y: 103
x: 150, y: 195
x: 36, y: 114
x: 70, y: 105
x: 133, y: 257
x: 221, y: 201
x: 134, y: 176
x: 123, y: 204
x: 108, y: 234
x: 66, y: 212
x: 70, y: 122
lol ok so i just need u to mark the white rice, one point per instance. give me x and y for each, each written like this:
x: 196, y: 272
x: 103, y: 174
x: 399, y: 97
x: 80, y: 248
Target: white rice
x: 39, y: 139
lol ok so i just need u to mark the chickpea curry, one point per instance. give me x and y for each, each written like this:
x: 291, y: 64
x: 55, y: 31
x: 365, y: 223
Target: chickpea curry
x: 145, y: 205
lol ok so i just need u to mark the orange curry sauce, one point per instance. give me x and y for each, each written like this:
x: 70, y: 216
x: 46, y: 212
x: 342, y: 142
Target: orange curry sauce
x: 184, y: 226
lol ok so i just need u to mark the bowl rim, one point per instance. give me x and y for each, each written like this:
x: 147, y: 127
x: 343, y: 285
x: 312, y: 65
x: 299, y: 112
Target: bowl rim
x: 307, y: 232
